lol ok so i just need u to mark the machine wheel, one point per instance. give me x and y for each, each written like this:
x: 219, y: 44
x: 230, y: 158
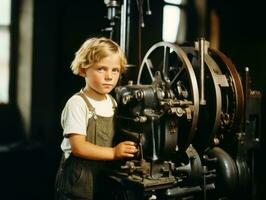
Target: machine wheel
x: 227, y: 174
x: 177, y: 72
x: 220, y: 118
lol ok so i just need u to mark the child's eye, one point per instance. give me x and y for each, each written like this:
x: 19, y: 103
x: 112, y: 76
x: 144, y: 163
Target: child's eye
x: 100, y: 69
x: 116, y: 70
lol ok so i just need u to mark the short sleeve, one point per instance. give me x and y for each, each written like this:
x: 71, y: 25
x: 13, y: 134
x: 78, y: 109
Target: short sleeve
x: 74, y: 117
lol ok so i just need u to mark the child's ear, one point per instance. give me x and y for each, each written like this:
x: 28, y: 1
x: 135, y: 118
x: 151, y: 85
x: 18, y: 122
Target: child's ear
x: 82, y: 72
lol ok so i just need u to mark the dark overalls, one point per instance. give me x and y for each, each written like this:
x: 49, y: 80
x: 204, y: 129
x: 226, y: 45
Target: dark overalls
x: 79, y: 178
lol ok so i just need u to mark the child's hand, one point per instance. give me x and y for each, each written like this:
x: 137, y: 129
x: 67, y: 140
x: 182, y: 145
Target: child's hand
x: 125, y: 149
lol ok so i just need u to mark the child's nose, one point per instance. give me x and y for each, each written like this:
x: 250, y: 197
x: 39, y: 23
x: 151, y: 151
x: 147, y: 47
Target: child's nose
x: 108, y: 75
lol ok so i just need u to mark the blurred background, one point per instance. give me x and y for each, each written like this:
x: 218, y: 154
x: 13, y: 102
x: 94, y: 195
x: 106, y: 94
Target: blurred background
x: 38, y: 40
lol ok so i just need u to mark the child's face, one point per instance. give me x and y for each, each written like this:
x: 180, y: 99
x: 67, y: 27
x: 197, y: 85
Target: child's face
x: 103, y: 76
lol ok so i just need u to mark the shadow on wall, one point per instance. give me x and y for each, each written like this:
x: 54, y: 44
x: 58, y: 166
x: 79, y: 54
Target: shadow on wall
x: 23, y: 167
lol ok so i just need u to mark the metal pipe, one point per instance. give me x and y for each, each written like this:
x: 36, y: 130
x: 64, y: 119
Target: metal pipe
x: 202, y: 69
x: 123, y: 26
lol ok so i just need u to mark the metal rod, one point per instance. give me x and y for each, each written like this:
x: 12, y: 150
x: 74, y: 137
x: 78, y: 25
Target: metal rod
x: 123, y: 27
x: 202, y: 69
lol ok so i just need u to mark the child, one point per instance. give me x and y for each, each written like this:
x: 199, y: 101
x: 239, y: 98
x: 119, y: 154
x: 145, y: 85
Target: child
x: 87, y: 121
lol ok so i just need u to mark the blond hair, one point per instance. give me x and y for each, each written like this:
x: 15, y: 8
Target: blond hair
x: 92, y: 51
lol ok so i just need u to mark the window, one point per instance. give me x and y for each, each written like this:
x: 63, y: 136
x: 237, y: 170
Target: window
x: 174, y: 21
x: 5, y: 20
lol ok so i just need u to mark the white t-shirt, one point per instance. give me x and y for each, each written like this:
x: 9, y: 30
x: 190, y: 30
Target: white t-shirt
x: 75, y: 116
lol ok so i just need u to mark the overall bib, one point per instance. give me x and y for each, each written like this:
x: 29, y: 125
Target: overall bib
x: 79, y: 178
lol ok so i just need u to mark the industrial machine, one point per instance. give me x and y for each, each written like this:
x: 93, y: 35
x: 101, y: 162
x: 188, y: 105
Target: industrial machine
x: 196, y: 121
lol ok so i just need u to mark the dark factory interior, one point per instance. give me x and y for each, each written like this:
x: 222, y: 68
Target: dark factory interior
x: 43, y: 37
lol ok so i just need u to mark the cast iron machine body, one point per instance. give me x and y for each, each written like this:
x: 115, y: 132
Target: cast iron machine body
x: 187, y: 113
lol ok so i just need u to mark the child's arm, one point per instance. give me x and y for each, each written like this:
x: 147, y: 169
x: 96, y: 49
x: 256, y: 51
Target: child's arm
x: 84, y: 149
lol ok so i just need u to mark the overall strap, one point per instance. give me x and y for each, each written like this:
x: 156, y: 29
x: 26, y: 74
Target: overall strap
x: 91, y: 108
x: 91, y: 137
x: 83, y: 96
x: 113, y: 101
